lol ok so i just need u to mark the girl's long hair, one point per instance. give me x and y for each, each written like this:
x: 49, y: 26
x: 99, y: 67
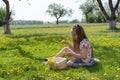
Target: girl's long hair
x: 80, y: 36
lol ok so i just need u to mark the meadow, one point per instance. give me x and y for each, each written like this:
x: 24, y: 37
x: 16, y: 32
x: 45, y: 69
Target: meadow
x: 22, y: 52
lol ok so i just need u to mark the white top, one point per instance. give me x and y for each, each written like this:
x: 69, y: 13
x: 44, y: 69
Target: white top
x: 86, y: 44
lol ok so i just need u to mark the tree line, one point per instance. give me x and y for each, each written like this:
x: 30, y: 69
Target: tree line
x: 25, y: 22
x: 32, y: 22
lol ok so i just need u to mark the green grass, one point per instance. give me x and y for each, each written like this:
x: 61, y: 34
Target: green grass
x: 21, y: 53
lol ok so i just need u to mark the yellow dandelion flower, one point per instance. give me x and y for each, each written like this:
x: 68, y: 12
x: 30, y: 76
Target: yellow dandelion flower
x: 105, y: 74
x: 46, y: 69
x: 42, y: 76
x: 117, y: 76
x: 51, y: 61
x: 62, y: 41
x: 67, y: 78
x: 57, y: 77
x: 118, y: 69
x: 92, y: 78
x: 33, y: 78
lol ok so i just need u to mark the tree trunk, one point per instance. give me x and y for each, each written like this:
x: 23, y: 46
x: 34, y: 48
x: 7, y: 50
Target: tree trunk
x: 112, y: 24
x: 7, y: 18
x: 112, y: 18
x: 7, y: 28
x: 86, y: 18
x: 57, y: 22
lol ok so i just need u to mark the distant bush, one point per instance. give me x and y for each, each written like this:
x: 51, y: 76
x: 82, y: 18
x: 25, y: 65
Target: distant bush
x: 74, y: 21
x: 63, y: 21
x: 25, y: 22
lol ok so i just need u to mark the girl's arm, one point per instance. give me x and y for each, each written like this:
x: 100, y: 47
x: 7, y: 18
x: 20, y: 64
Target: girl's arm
x: 81, y: 55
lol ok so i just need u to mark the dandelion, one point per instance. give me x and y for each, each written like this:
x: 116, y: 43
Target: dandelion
x: 67, y: 78
x: 105, y: 74
x: 4, y: 63
x: 118, y: 69
x: 26, y: 65
x: 8, y: 73
x: 42, y: 77
x: 32, y: 62
x: 117, y: 76
x: 51, y: 61
x: 92, y: 78
x: 62, y: 41
x: 46, y: 69
x: 33, y: 78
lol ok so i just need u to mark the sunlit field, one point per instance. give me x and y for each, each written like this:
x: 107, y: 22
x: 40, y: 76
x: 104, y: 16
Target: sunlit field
x: 22, y: 52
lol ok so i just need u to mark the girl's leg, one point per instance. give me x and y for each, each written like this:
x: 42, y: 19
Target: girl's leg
x: 63, y: 51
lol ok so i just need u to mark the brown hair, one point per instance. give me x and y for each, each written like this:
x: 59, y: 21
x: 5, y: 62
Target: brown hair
x: 80, y: 36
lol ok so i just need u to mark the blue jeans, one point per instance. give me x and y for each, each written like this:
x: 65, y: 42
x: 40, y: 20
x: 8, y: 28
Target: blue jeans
x: 78, y: 61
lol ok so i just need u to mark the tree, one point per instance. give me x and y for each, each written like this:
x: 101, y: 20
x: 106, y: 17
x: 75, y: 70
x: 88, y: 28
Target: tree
x: 92, y: 12
x: 97, y: 14
x: 58, y: 11
x: 2, y: 15
x: 86, y: 9
x: 99, y: 18
x: 112, y: 18
x: 7, y: 18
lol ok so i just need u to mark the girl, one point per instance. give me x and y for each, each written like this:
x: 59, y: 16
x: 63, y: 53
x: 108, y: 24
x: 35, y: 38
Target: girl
x: 80, y: 53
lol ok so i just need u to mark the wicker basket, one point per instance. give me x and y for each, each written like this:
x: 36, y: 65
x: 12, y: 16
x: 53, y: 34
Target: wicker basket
x: 60, y: 63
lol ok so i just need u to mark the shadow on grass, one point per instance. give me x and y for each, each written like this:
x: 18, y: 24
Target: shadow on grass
x: 27, y: 54
x: 40, y: 27
x: 97, y: 67
x: 111, y: 30
x: 3, y: 49
x: 46, y: 35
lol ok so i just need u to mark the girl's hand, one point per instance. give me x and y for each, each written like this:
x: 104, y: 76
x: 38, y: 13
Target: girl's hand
x: 69, y: 54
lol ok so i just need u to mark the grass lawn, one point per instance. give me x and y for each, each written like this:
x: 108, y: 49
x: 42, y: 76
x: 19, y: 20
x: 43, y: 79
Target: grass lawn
x: 21, y: 53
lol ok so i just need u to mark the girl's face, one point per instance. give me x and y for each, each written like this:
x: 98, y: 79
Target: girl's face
x: 74, y: 34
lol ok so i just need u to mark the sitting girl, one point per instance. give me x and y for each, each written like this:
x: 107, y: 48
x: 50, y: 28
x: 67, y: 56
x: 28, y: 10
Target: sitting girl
x: 80, y: 52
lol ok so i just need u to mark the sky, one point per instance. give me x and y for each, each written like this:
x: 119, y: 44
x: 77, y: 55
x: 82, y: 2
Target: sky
x: 37, y: 9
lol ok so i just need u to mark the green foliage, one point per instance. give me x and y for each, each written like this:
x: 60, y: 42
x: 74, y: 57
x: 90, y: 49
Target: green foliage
x: 86, y: 8
x: 92, y: 13
x: 21, y: 53
x: 2, y: 15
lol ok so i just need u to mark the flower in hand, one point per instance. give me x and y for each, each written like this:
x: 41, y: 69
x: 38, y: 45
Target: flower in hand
x: 64, y: 42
